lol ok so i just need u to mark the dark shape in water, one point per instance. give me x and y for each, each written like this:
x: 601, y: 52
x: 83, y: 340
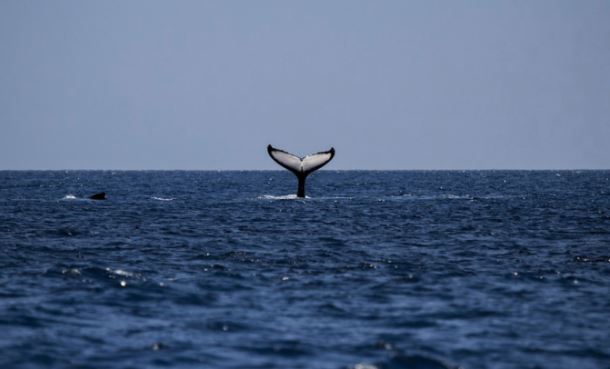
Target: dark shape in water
x: 301, y: 167
x: 98, y: 196
x: 413, y: 362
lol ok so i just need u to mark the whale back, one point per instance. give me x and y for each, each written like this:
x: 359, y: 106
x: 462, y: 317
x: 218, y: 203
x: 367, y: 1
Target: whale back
x: 98, y: 196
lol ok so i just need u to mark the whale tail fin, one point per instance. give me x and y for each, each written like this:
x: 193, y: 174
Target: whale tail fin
x: 301, y: 167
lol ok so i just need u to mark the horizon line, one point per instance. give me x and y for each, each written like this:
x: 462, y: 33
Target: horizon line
x: 321, y: 170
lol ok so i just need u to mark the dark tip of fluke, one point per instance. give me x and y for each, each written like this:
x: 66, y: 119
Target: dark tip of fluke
x: 98, y: 196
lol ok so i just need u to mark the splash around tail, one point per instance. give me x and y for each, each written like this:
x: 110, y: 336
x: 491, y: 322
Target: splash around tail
x: 301, y: 167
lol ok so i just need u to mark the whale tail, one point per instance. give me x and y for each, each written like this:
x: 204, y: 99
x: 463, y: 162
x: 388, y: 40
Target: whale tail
x: 301, y: 167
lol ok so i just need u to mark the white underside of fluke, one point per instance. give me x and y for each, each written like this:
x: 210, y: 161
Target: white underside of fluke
x: 303, y: 165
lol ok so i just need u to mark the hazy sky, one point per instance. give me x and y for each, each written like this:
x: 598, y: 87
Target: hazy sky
x: 390, y: 84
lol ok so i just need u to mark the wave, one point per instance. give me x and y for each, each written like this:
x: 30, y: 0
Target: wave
x: 449, y: 196
x: 405, y: 197
x: 162, y: 198
x: 294, y: 197
x: 71, y: 197
x: 280, y: 197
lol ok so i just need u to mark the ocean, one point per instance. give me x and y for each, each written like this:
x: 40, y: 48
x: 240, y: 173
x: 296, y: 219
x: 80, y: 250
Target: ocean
x: 375, y: 269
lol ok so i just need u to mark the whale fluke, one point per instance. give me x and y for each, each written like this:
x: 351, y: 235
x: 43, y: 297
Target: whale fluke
x: 98, y: 196
x: 301, y: 167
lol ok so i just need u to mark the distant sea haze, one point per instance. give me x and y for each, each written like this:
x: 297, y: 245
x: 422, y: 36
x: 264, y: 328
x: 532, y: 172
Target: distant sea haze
x: 373, y: 270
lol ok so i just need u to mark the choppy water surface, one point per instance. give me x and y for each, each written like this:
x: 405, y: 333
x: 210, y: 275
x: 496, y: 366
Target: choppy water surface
x: 375, y: 270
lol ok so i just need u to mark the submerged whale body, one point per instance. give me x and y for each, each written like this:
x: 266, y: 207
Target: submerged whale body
x: 301, y: 167
x: 98, y: 196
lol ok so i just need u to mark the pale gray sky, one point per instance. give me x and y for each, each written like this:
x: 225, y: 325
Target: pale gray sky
x: 390, y: 84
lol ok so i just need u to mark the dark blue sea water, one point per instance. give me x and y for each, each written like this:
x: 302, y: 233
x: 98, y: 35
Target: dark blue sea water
x: 414, y: 269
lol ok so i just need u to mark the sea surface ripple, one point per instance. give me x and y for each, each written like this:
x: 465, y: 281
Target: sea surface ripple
x: 399, y: 269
